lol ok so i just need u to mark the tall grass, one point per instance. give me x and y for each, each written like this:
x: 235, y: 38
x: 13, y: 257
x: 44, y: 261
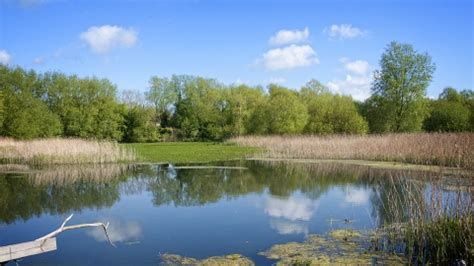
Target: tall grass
x: 67, y: 174
x: 444, y: 149
x: 62, y: 151
x: 432, y: 226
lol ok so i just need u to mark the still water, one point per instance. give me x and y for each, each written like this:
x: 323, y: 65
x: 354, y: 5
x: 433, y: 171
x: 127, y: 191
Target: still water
x: 245, y: 207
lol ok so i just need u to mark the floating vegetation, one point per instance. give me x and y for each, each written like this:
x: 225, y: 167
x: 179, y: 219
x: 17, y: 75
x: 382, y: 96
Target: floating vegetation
x: 338, y: 247
x: 233, y: 259
x: 344, y: 234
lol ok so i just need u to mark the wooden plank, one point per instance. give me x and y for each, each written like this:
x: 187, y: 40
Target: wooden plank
x: 21, y: 250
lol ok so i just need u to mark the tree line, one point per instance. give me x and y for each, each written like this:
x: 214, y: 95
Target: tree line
x: 34, y: 105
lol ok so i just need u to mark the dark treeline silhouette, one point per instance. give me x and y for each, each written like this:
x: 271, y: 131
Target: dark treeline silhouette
x: 186, y: 107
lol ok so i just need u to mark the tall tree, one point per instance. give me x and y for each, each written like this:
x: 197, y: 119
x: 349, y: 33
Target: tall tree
x: 399, y: 88
x: 330, y: 114
x: 285, y: 112
x: 163, y: 93
x: 243, y: 101
x: 25, y: 116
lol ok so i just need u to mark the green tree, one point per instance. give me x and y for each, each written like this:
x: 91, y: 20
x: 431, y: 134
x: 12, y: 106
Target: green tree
x: 87, y: 107
x: 285, y: 112
x: 242, y: 102
x: 163, y: 94
x: 345, y: 117
x: 318, y: 100
x: 468, y: 99
x: 450, y: 113
x: 200, y: 109
x: 1, y: 110
x: 399, y: 89
x: 140, y: 125
x: 25, y: 115
x: 330, y: 114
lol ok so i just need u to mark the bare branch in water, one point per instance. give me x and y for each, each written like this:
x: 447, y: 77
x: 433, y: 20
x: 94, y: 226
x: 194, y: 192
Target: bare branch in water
x: 77, y: 226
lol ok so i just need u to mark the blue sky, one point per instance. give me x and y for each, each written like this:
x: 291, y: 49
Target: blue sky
x: 254, y: 42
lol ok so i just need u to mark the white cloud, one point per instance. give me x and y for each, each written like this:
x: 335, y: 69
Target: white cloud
x: 5, y: 57
x: 357, y: 80
x: 357, y: 196
x: 289, y: 36
x: 105, y: 38
x: 289, y: 57
x: 292, y: 208
x: 359, y: 67
x: 356, y: 86
x: 344, y: 31
x: 118, y: 232
x: 284, y: 227
x: 39, y: 60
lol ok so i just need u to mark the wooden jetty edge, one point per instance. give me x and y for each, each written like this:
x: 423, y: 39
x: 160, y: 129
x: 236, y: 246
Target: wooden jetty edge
x: 45, y: 243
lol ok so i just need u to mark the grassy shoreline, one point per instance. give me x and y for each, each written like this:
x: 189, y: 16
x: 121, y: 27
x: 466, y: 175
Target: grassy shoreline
x: 190, y: 152
x: 441, y: 149
x: 447, y: 152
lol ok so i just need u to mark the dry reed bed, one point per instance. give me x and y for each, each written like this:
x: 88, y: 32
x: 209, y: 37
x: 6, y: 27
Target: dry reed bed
x: 62, y: 151
x: 63, y: 175
x: 444, y: 149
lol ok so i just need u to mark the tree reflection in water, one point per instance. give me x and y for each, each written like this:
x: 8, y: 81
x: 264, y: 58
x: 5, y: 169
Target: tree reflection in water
x: 70, y: 189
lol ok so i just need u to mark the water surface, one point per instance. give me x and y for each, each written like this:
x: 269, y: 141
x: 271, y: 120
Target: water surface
x: 157, y: 209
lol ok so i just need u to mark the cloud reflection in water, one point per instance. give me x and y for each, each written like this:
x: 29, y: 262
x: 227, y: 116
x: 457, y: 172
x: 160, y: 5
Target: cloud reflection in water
x: 290, y: 215
x: 118, y: 231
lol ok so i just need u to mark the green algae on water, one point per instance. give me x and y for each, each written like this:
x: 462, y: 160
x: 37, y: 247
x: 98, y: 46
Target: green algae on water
x: 340, y: 246
x: 226, y: 260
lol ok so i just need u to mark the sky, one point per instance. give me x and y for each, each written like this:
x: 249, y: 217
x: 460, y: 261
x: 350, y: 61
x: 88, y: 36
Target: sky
x: 255, y: 42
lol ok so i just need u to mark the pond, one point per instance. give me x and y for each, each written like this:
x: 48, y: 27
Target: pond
x: 242, y: 207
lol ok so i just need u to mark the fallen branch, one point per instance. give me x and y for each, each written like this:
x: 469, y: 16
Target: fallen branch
x: 43, y: 244
x: 77, y: 226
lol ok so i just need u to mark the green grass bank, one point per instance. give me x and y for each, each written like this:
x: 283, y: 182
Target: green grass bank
x: 190, y: 152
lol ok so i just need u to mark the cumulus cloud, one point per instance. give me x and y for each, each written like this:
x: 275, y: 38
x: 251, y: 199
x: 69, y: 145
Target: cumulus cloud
x: 284, y: 227
x: 289, y: 36
x: 344, y: 31
x: 357, y: 196
x: 357, y: 80
x: 292, y: 208
x: 118, y: 232
x: 359, y: 67
x: 5, y: 57
x: 356, y: 86
x: 105, y: 38
x: 290, y: 57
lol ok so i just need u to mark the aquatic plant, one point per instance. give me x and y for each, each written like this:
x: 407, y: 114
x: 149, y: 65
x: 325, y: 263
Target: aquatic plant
x: 427, y: 224
x: 62, y: 151
x: 226, y: 260
x: 333, y: 248
x: 444, y: 149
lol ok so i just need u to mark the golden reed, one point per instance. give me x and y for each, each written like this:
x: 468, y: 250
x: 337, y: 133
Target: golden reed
x: 443, y: 149
x: 62, y: 151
